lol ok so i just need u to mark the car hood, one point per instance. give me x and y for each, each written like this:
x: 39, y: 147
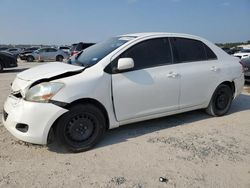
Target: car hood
x: 43, y: 73
x: 47, y: 70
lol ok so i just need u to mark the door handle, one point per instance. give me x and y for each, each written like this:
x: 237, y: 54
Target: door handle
x: 214, y: 68
x: 172, y: 75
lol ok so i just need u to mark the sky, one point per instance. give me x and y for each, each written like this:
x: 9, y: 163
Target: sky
x: 68, y: 21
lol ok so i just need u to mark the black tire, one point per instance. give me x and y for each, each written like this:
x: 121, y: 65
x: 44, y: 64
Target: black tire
x: 59, y: 58
x: 81, y: 128
x: 221, y: 101
x: 30, y: 58
x: 1, y: 67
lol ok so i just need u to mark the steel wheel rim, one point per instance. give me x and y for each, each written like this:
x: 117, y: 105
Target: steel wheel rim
x: 222, y: 100
x: 80, y: 128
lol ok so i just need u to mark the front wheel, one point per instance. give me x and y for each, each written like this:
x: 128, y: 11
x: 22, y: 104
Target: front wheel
x: 30, y: 58
x: 81, y: 128
x: 221, y: 101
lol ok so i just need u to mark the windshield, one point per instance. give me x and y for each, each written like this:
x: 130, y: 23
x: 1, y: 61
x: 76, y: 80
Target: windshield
x: 95, y: 53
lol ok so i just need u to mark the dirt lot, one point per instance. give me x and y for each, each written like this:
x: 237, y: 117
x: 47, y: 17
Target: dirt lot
x: 190, y: 150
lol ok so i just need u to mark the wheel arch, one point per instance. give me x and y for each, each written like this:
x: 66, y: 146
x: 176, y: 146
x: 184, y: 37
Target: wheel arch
x: 81, y: 101
x: 30, y: 55
x: 59, y: 55
x: 231, y: 84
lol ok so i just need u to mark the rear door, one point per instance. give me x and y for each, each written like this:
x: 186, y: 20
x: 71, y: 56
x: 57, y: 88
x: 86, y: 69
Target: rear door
x: 152, y: 87
x: 199, y: 70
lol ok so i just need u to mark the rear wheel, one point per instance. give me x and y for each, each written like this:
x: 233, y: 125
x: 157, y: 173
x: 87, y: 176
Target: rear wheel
x: 30, y: 58
x: 221, y: 101
x: 59, y: 58
x: 81, y: 128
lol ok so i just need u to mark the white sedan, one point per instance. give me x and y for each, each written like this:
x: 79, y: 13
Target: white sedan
x: 122, y: 80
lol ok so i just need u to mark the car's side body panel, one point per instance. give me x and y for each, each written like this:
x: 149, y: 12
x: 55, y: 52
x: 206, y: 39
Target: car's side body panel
x: 135, y: 95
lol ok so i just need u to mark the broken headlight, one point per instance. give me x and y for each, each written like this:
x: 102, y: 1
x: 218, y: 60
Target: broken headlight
x: 43, y: 92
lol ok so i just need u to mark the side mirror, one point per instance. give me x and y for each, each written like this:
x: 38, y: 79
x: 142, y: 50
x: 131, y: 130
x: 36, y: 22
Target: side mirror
x: 125, y: 64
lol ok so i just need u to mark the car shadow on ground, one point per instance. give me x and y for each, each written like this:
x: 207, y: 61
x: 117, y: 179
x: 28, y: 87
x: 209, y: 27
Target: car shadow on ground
x: 126, y: 132
x: 13, y: 70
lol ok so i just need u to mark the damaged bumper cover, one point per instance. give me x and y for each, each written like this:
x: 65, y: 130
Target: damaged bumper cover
x: 39, y: 117
x: 31, y: 121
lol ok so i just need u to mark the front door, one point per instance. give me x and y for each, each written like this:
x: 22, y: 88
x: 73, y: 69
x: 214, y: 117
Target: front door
x: 152, y: 87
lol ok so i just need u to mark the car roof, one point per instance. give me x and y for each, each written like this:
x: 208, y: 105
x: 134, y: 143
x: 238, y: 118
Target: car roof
x: 165, y: 34
x: 47, y: 48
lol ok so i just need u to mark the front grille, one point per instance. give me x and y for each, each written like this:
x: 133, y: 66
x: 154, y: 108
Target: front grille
x: 5, y: 115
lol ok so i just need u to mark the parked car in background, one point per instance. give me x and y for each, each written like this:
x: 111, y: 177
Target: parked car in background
x: 23, y: 54
x: 3, y: 49
x: 231, y: 51
x: 76, y: 48
x: 228, y: 50
x: 14, y: 51
x: 66, y: 49
x: 244, y: 53
x: 122, y: 80
x: 47, y: 54
x: 7, y: 60
x: 246, y: 64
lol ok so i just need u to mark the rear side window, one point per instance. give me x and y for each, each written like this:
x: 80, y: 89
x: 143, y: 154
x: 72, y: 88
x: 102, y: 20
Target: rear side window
x: 210, y: 54
x: 150, y: 53
x: 185, y: 50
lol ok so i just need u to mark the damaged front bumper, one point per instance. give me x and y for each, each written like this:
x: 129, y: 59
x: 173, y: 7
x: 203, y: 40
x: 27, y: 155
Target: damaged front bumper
x: 37, y: 118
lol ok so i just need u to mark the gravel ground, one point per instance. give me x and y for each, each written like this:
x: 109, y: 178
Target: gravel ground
x: 189, y: 150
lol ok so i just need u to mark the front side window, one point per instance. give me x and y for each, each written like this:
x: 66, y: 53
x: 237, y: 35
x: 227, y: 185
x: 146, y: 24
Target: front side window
x: 149, y: 53
x: 186, y: 50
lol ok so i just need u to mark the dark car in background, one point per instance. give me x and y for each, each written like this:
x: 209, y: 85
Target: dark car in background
x: 14, y: 51
x: 76, y: 48
x: 3, y: 48
x: 26, y: 51
x: 228, y: 50
x: 7, y: 60
x: 246, y: 64
x: 231, y: 51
